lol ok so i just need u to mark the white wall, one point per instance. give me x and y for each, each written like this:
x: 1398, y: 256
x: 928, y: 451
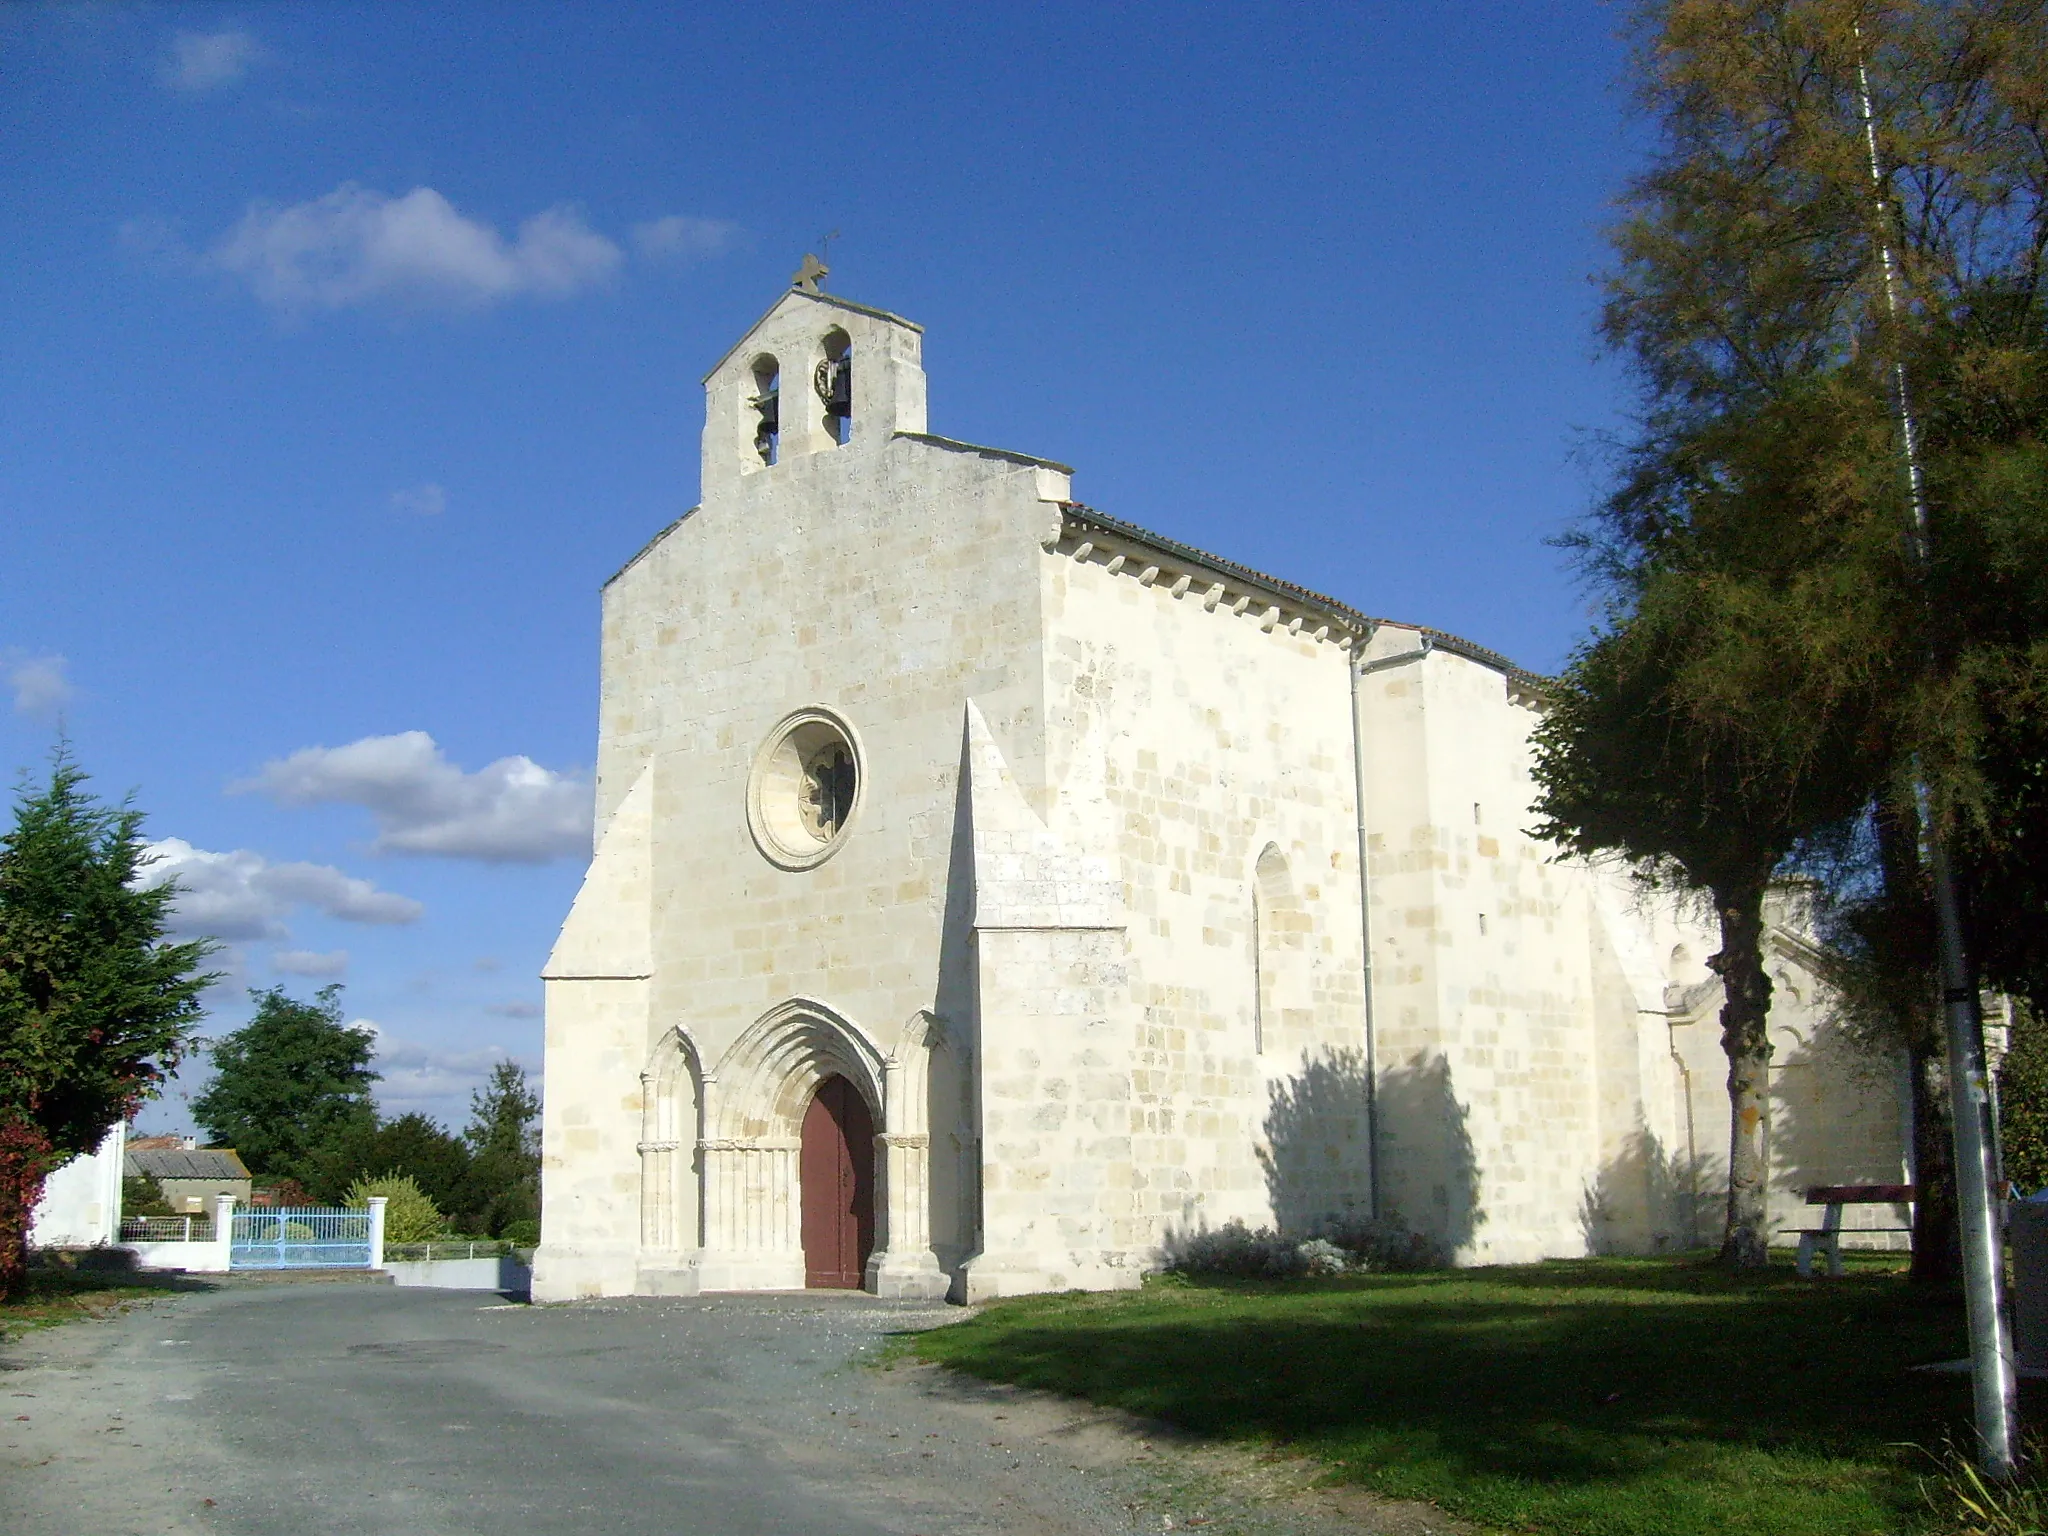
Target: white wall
x: 81, y: 1203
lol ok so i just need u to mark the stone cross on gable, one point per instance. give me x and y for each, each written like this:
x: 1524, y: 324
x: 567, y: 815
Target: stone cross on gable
x: 810, y: 277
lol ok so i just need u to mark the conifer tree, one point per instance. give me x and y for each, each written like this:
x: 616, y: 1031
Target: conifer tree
x: 504, y: 1143
x: 96, y: 1008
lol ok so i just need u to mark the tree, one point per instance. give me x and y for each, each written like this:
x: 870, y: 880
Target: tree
x: 2023, y: 1101
x: 96, y: 1008
x: 1846, y: 213
x: 1769, y: 272
x: 1623, y: 769
x: 143, y: 1196
x: 504, y: 1142
x: 412, y: 1145
x: 1876, y: 914
x: 291, y: 1081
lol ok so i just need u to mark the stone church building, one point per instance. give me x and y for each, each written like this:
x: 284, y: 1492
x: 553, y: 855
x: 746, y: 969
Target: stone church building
x: 986, y: 889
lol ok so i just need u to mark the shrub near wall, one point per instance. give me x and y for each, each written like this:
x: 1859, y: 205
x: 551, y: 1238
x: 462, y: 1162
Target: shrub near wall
x: 409, y: 1216
x: 1336, y: 1246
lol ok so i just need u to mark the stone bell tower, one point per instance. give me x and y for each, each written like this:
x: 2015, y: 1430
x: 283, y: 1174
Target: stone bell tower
x: 817, y: 374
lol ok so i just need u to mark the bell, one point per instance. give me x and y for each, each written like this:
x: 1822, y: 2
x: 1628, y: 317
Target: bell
x: 834, y: 382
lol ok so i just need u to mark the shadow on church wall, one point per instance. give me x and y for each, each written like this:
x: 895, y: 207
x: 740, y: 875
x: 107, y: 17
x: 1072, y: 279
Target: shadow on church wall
x: 1651, y: 1199
x: 1835, y: 1118
x: 1318, y: 1152
x: 955, y: 1151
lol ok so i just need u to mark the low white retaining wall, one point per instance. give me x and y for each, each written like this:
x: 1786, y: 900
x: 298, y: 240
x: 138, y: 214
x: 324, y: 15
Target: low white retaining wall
x: 207, y: 1258
x: 198, y: 1258
x: 499, y: 1274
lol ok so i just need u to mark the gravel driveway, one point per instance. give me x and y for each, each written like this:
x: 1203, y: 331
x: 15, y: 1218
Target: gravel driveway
x: 314, y: 1408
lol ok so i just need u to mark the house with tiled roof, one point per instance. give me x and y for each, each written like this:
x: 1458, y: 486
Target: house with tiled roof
x: 189, y: 1175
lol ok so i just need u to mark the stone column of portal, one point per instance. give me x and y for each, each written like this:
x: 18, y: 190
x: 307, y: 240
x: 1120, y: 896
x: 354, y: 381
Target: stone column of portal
x: 657, y: 1150
x: 904, y: 1264
x: 751, y: 1241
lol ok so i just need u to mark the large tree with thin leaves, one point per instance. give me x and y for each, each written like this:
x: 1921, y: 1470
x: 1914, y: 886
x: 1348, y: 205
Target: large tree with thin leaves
x: 1625, y: 771
x: 1845, y: 214
x: 96, y: 1005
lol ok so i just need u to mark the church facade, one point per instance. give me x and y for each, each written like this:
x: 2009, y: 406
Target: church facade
x: 986, y: 889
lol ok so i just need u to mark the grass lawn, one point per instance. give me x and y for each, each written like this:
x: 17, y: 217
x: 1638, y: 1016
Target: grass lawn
x: 62, y: 1294
x: 1652, y: 1397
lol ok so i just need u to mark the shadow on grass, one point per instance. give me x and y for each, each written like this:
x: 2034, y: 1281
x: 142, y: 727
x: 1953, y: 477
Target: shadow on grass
x: 1649, y: 1373
x: 63, y: 1288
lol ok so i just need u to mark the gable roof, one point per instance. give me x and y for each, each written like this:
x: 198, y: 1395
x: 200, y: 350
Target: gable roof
x: 1080, y: 514
x: 176, y: 1163
x: 830, y: 300
x: 1350, y: 618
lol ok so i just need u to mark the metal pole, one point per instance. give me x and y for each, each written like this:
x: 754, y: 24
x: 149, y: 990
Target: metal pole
x: 1993, y: 1385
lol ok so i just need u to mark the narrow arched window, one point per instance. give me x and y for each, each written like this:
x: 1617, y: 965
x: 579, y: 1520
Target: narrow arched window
x: 1273, y: 934
x: 767, y: 407
x: 834, y: 384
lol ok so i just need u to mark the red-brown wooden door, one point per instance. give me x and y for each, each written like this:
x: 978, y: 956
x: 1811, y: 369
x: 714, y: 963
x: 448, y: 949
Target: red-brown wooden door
x: 837, y: 1172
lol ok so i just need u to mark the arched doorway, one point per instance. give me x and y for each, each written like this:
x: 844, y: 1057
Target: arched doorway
x: 837, y: 1176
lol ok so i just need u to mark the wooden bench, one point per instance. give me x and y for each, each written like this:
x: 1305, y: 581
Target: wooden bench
x: 1828, y: 1235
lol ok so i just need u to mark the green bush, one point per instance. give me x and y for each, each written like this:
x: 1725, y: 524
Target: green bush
x: 143, y: 1196
x: 409, y: 1216
x: 2023, y: 1102
x: 522, y: 1234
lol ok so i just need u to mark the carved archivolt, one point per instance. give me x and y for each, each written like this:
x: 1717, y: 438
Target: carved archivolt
x: 671, y: 1106
x: 766, y: 1080
x: 908, y: 1073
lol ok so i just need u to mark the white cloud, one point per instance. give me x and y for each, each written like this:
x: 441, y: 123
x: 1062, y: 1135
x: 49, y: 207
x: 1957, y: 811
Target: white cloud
x: 678, y: 237
x: 510, y: 811
x: 204, y: 61
x: 310, y: 962
x: 418, y: 1077
x: 514, y: 1010
x: 242, y: 895
x: 40, y: 684
x: 427, y: 500
x: 356, y: 246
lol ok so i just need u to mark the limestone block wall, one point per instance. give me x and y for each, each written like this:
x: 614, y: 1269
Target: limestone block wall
x: 886, y: 580
x: 1486, y: 997
x: 1837, y: 1113
x: 594, y: 1043
x: 1053, y: 1019
x: 1225, y: 734
x: 590, y: 1119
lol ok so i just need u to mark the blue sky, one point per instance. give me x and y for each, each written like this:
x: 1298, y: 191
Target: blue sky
x: 345, y: 350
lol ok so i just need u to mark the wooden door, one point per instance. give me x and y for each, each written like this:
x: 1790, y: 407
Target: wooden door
x: 837, y: 1173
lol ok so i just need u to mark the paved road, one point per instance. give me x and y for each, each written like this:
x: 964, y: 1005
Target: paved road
x: 335, y: 1409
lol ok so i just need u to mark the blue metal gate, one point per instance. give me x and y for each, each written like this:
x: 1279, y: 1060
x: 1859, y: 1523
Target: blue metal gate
x: 296, y: 1238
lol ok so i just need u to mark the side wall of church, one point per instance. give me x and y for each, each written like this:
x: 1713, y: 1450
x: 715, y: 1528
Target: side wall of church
x: 1228, y: 774
x: 1487, y: 1001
